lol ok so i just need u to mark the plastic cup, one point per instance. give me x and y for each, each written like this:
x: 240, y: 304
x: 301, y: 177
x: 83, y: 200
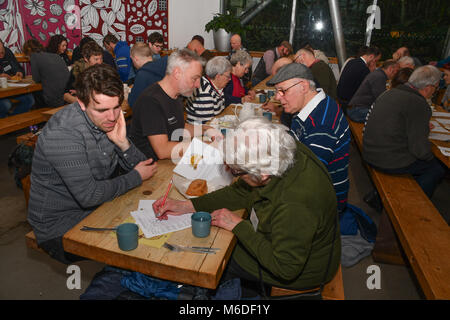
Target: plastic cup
x: 127, y: 236
x: 201, y: 224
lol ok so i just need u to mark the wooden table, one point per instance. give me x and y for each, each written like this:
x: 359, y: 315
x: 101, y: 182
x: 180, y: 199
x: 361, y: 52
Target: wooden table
x: 204, y: 270
x: 21, y: 58
x: 125, y: 107
x: 263, y: 85
x: 14, y: 91
x: 435, y: 144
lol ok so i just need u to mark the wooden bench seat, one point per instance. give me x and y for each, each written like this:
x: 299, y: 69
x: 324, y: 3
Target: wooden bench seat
x: 423, y: 233
x: 31, y: 242
x: 333, y: 290
x: 21, y: 121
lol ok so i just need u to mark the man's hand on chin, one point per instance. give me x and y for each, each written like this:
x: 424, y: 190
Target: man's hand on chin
x: 118, y: 135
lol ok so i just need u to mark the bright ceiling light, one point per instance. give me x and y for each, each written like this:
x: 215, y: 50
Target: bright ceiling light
x: 319, y: 25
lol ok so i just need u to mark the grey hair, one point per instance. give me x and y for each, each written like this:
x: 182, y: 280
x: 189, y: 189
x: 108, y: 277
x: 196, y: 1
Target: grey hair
x: 425, y: 76
x: 258, y: 146
x: 406, y: 60
x: 182, y: 58
x: 241, y: 56
x: 312, y: 85
x: 217, y: 65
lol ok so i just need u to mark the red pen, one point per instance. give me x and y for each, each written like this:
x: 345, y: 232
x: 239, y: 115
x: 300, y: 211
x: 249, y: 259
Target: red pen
x: 165, y: 196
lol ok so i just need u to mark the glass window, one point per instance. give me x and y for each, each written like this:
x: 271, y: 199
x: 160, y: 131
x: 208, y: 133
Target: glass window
x: 420, y: 25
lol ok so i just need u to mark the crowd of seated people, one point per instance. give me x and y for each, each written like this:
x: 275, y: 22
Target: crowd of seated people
x: 175, y: 95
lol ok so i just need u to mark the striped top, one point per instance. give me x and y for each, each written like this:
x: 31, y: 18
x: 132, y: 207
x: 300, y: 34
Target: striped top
x: 73, y: 172
x: 206, y: 102
x: 321, y: 125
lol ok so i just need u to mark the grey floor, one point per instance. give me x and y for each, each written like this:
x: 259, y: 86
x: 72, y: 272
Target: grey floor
x: 29, y: 274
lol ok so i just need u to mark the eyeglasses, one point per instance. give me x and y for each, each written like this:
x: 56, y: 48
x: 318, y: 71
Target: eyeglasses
x: 227, y: 75
x: 282, y: 92
x: 159, y: 46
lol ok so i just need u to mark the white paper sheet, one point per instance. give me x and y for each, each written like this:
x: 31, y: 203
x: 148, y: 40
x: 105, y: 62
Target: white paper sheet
x: 209, y: 167
x: 439, y: 136
x: 441, y: 114
x: 437, y: 127
x: 151, y: 226
x: 445, y: 151
x: 10, y: 84
x: 443, y: 120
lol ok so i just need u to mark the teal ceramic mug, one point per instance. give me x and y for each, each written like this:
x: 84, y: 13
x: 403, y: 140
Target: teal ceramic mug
x: 201, y: 224
x: 268, y: 115
x: 127, y: 236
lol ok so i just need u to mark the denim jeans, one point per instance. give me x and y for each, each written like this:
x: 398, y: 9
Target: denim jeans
x: 428, y: 174
x: 26, y: 101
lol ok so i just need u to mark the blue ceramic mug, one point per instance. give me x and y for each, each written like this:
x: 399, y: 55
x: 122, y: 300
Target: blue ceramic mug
x: 201, y: 224
x: 268, y: 115
x: 262, y: 98
x: 127, y: 236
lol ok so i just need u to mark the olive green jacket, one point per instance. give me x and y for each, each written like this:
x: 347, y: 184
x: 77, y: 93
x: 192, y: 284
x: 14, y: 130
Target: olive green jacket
x: 297, y: 214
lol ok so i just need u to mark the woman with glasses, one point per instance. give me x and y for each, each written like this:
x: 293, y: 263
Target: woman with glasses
x: 208, y: 100
x: 291, y: 238
x: 235, y: 91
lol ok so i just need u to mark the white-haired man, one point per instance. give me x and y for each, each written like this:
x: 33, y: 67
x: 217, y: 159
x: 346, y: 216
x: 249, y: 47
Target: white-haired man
x: 158, y: 117
x: 318, y: 122
x: 396, y: 131
x: 291, y: 234
x: 406, y: 62
x: 321, y: 71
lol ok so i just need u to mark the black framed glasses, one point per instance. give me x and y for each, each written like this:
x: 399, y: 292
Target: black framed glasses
x: 282, y: 92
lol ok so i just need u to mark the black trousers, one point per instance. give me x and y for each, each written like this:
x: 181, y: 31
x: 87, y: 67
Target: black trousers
x: 251, y: 286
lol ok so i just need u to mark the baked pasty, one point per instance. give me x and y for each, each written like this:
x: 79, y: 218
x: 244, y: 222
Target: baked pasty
x: 198, y: 187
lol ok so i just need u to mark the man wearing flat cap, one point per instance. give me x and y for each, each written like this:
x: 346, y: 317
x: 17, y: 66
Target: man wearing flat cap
x: 318, y: 122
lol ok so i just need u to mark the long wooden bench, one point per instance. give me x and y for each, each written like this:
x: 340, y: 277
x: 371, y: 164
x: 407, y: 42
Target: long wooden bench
x: 21, y: 121
x: 333, y: 290
x: 423, y: 234
x: 31, y: 242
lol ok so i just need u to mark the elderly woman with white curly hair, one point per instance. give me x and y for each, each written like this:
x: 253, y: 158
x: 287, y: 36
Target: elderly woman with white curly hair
x: 291, y: 239
x: 208, y: 100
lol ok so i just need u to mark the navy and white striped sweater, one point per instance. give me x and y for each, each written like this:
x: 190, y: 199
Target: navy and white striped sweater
x: 325, y: 131
x: 206, y: 103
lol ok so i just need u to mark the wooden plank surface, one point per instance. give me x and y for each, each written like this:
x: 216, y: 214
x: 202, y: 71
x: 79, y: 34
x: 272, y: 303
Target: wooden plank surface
x: 423, y: 233
x: 333, y: 290
x: 14, y: 91
x: 197, y: 269
x: 20, y: 121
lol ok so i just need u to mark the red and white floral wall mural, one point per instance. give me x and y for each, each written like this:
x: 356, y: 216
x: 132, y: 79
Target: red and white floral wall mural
x: 131, y: 20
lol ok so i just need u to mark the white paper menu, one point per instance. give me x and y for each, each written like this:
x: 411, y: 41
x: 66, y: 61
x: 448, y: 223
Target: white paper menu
x: 209, y: 167
x: 151, y: 226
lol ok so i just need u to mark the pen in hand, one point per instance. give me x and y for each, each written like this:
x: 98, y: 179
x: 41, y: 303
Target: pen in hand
x: 165, y: 197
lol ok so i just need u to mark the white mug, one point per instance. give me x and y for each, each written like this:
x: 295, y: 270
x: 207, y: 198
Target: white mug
x: 3, y: 82
x: 247, y: 111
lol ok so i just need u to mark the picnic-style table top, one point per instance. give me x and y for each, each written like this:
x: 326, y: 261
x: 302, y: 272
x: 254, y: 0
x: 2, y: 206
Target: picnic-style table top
x: 26, y: 85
